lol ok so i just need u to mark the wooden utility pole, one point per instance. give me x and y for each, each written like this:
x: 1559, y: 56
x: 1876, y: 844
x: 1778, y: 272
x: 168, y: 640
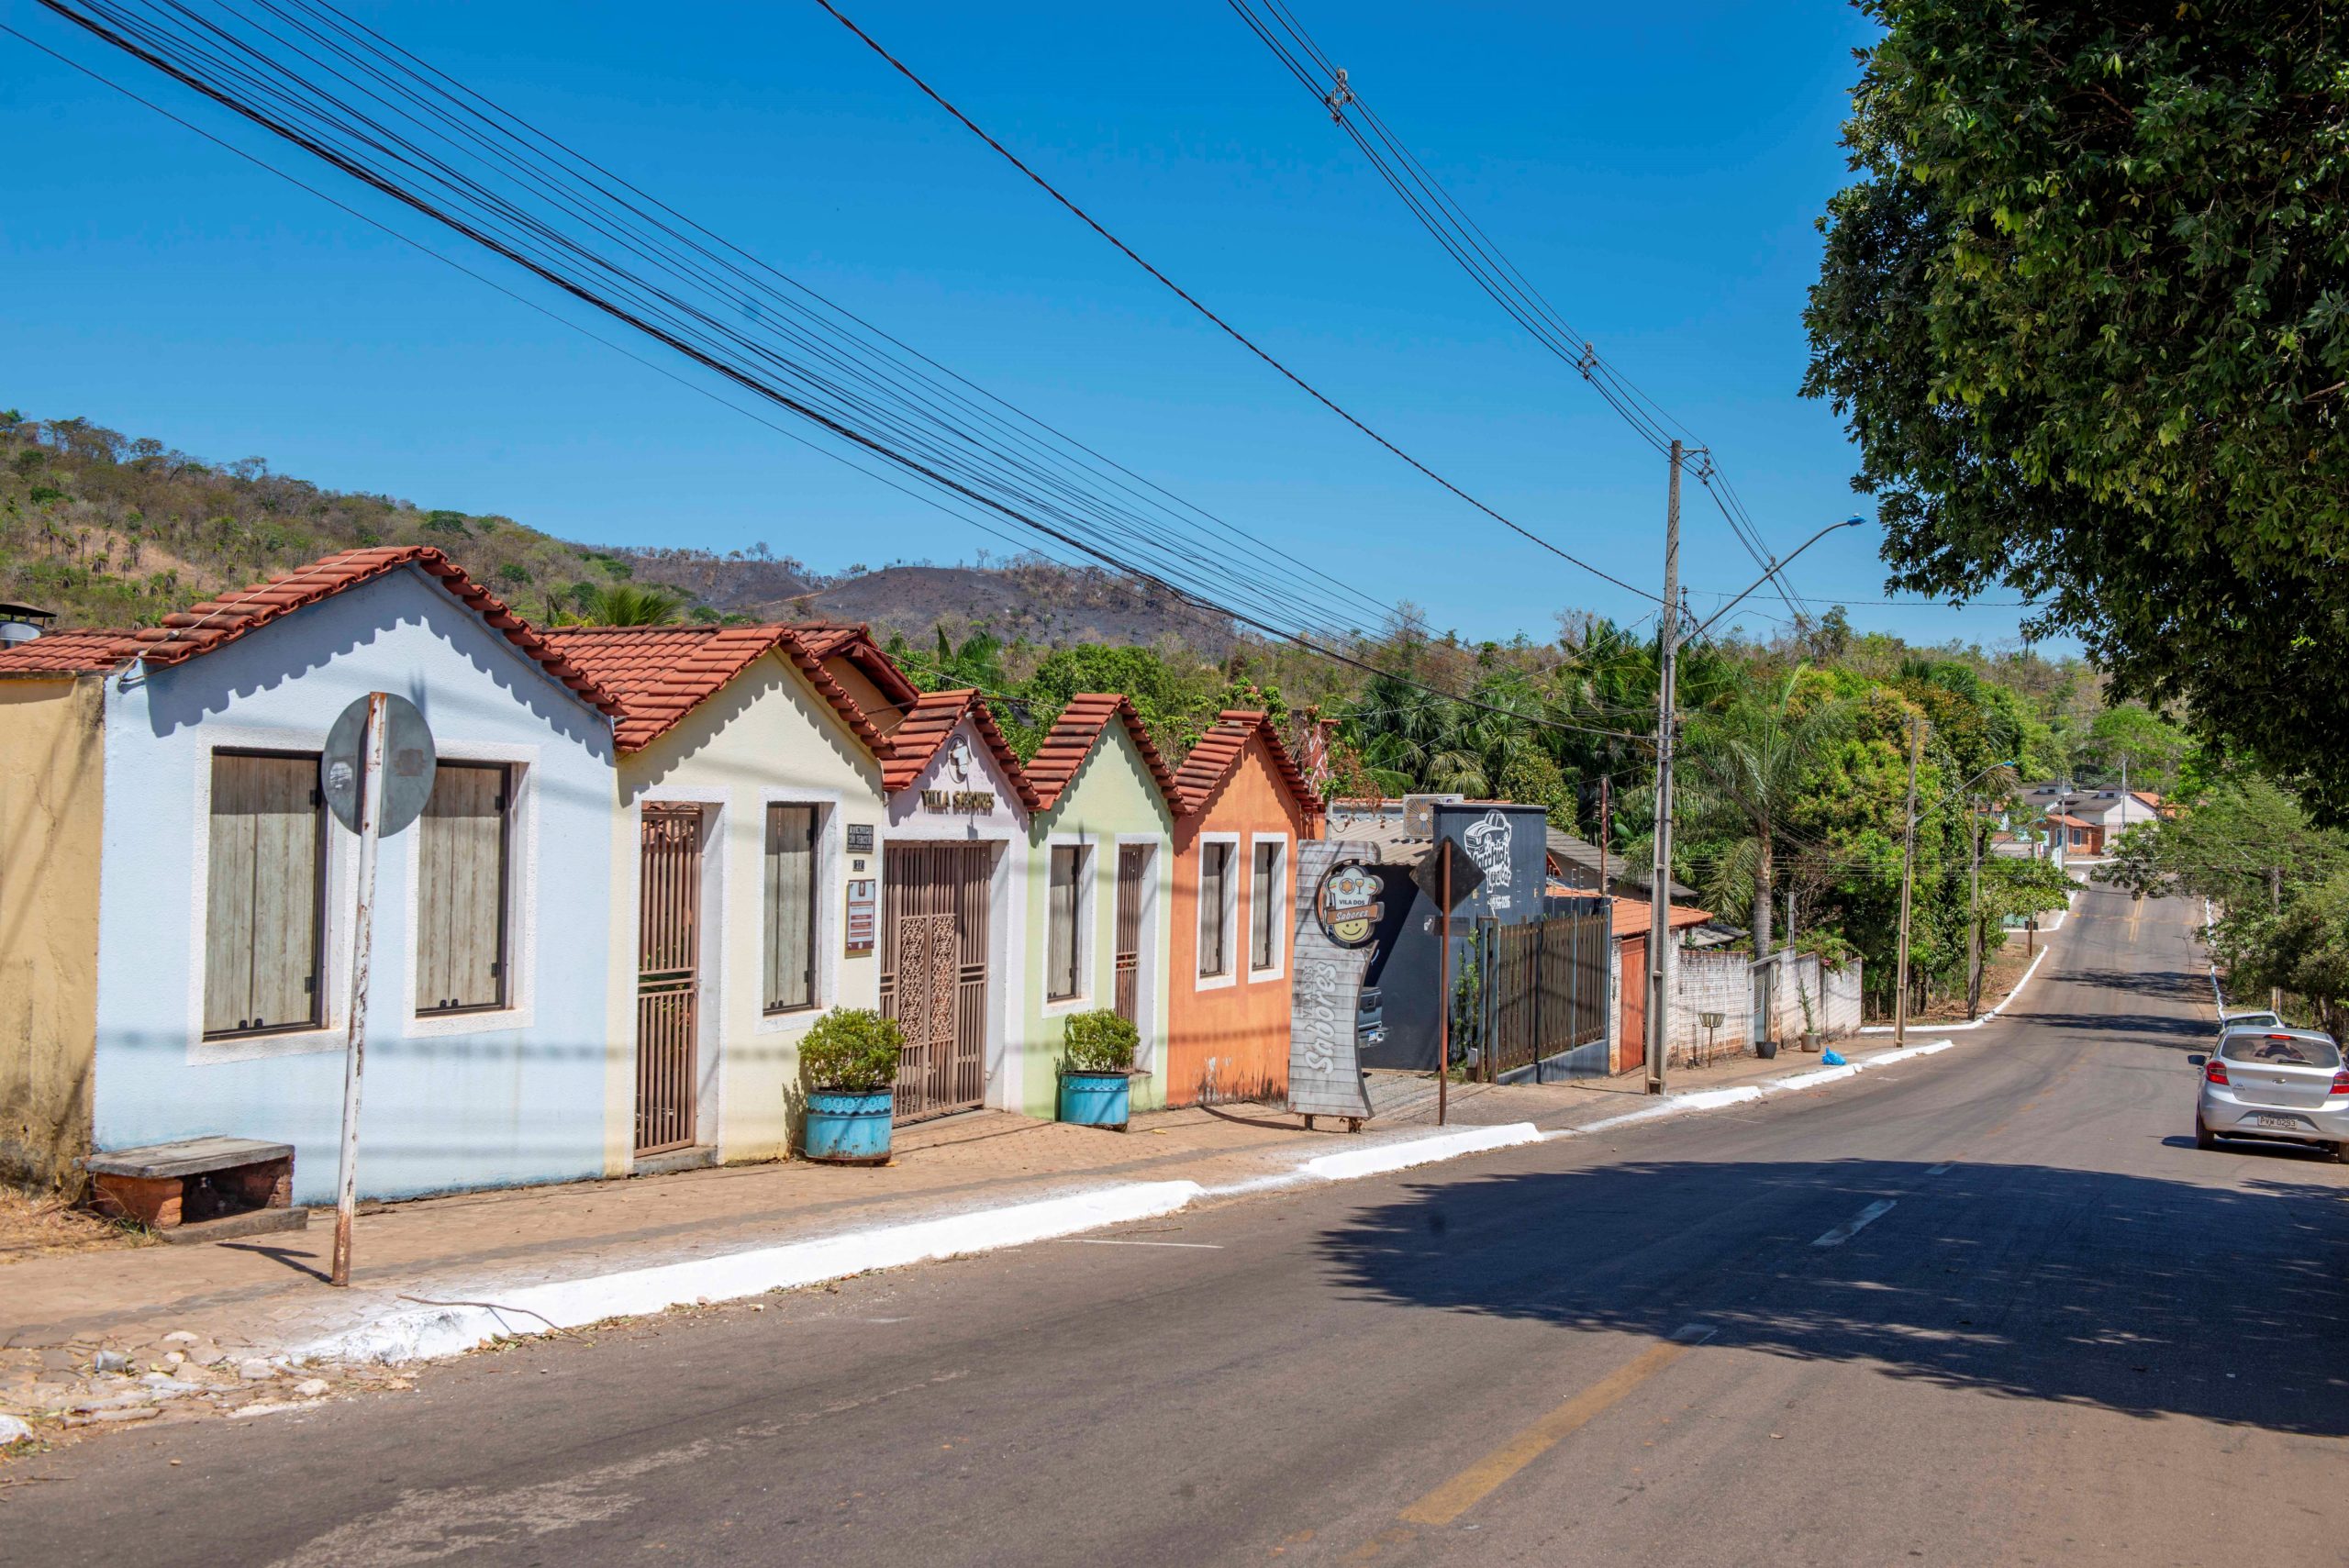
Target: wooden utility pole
x: 1908, y: 877
x: 2276, y: 904
x: 1659, y: 894
x: 1606, y: 834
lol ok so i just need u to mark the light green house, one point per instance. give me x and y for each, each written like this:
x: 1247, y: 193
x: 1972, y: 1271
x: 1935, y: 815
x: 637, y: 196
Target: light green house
x: 1100, y: 891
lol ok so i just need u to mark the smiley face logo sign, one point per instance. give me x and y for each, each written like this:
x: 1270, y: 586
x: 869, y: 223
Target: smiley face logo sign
x: 1348, y: 904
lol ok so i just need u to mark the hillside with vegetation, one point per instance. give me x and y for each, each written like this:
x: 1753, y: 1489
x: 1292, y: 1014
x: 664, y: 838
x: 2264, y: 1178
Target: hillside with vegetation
x: 1796, y: 750
x: 108, y: 529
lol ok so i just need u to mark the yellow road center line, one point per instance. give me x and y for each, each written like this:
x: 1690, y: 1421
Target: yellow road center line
x: 1479, y: 1481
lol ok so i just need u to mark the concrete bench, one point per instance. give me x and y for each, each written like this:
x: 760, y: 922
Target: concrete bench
x: 200, y: 1189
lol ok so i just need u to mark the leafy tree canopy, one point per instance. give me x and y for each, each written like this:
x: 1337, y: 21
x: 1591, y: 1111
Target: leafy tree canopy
x: 2086, y: 314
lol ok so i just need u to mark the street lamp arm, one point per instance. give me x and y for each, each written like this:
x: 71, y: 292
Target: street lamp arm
x: 1776, y: 566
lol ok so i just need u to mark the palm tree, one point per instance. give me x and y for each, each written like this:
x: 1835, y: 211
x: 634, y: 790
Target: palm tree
x: 622, y: 604
x: 1748, y: 759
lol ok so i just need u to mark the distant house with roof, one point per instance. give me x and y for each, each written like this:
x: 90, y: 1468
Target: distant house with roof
x: 1243, y: 809
x: 746, y: 776
x: 870, y: 677
x: 176, y: 901
x: 1100, y: 876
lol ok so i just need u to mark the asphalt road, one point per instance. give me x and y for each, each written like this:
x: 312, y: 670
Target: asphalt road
x: 1989, y: 1308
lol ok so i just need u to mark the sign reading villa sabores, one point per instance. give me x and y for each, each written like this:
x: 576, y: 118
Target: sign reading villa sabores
x: 960, y: 802
x: 1347, y: 903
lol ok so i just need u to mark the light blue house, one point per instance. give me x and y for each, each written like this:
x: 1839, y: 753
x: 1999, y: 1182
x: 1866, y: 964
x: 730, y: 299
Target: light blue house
x: 226, y: 890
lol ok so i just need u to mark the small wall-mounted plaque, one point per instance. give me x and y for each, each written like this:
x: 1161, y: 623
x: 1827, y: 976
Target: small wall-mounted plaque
x: 863, y: 912
x: 860, y: 838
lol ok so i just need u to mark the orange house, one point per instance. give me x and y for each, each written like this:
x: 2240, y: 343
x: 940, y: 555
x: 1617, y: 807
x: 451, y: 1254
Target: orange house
x: 1241, y: 808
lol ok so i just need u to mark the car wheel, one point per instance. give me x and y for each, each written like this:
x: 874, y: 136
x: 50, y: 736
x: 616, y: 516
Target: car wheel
x: 2202, y: 1138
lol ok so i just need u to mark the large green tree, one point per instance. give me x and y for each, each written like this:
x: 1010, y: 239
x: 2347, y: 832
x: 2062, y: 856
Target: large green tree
x: 2086, y: 314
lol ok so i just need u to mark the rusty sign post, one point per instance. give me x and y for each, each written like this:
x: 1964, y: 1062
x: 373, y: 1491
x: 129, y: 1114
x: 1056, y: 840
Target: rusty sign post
x: 376, y: 774
x: 1443, y: 985
x: 1434, y: 878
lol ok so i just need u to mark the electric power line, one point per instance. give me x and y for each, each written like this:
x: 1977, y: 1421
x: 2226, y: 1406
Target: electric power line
x: 887, y: 410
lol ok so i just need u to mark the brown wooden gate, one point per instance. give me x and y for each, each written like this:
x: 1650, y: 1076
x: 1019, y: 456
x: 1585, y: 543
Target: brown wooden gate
x: 668, y: 977
x: 1632, y: 1042
x: 1133, y: 860
x: 934, y: 973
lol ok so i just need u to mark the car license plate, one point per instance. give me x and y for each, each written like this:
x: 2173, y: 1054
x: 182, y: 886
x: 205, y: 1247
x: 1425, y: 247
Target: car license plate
x: 2276, y: 1120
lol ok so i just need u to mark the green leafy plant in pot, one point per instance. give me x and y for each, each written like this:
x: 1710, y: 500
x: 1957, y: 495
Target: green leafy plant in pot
x: 848, y: 1064
x: 1096, y: 1069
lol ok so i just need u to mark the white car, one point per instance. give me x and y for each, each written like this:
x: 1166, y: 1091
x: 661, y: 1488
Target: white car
x: 2280, y: 1084
x: 2248, y: 1018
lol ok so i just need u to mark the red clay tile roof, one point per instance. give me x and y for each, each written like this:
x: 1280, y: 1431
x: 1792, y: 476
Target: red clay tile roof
x: 1634, y: 917
x: 853, y: 641
x: 663, y: 672
x: 215, y: 622
x: 1219, y: 750
x: 927, y: 723
x: 1073, y: 738
x: 78, y: 652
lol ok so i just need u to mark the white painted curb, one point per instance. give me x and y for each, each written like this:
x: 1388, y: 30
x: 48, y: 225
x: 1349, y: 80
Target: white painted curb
x: 427, y: 1332
x: 1381, y: 1158
x: 1746, y: 1093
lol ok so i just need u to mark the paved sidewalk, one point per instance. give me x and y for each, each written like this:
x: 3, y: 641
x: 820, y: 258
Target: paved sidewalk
x: 203, y: 1330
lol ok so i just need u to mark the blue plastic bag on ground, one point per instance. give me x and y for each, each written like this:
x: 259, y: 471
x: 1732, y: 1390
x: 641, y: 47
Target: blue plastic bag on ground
x: 1831, y: 1060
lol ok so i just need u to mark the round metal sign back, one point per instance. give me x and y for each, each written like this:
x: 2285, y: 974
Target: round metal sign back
x: 408, y: 764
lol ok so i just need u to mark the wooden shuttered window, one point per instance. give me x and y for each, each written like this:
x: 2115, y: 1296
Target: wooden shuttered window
x: 460, y: 894
x: 1063, y: 902
x: 1215, y: 908
x: 1265, y: 906
x: 264, y: 889
x: 790, y: 889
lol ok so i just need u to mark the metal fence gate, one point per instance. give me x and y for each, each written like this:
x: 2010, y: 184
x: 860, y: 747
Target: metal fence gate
x: 668, y: 977
x: 934, y: 973
x: 1545, y: 990
x: 1132, y: 860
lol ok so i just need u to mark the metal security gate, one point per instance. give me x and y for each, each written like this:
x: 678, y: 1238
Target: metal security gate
x: 934, y: 974
x: 1133, y: 860
x: 1545, y: 990
x: 668, y: 977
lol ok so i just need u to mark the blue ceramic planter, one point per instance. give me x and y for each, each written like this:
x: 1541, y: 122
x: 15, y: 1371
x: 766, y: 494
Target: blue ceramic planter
x: 1095, y: 1099
x: 845, y: 1129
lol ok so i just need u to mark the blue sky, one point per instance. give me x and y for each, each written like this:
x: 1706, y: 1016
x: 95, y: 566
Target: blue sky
x: 1655, y: 172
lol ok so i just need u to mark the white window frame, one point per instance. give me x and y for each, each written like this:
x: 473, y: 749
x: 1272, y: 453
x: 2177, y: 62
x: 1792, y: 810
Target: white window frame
x: 334, y: 935
x: 831, y: 889
x: 520, y: 1011
x: 1278, y: 969
x: 1234, y: 960
x: 1088, y: 946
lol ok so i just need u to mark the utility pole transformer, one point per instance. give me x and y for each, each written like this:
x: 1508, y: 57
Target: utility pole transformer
x: 1908, y: 879
x: 1660, y: 893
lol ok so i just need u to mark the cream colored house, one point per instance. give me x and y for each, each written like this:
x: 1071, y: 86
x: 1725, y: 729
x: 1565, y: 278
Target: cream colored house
x: 746, y: 872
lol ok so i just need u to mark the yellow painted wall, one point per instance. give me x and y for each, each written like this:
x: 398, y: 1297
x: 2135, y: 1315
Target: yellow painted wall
x: 767, y: 737
x: 51, y: 806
